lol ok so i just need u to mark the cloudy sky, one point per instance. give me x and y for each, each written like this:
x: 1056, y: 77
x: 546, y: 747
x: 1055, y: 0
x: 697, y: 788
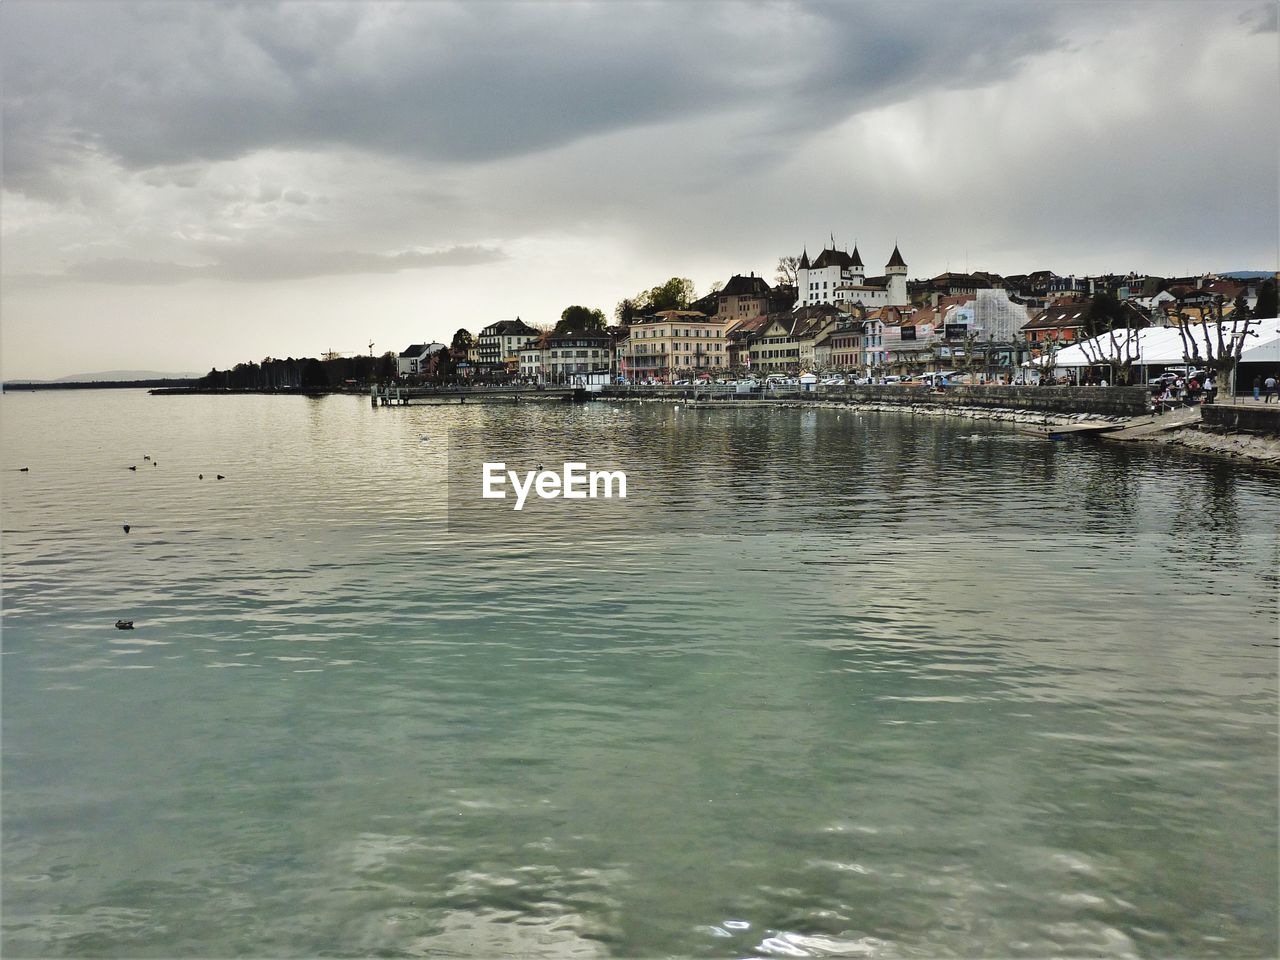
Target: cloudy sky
x: 187, y: 185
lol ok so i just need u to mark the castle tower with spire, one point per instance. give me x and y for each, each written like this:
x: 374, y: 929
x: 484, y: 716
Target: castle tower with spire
x: 896, y: 273
x: 857, y: 272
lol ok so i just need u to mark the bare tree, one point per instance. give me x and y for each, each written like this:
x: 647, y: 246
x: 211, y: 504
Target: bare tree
x: 1217, y: 345
x: 1049, y: 345
x: 788, y: 270
x: 970, y: 354
x: 1115, y: 349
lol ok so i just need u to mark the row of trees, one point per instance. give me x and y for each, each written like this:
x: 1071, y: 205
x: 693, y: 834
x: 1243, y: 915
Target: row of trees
x: 1109, y: 336
x: 305, y: 373
x: 308, y: 373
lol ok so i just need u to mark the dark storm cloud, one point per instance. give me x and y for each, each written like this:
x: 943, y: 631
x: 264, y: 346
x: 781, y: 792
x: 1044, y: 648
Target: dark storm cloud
x: 156, y: 84
x: 269, y: 264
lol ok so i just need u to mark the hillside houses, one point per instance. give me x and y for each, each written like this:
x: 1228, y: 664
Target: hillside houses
x: 836, y: 319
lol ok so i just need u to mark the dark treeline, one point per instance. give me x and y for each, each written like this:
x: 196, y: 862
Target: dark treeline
x: 308, y: 373
x: 14, y: 385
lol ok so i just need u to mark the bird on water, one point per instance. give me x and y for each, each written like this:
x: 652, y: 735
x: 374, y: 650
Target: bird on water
x: 134, y: 467
x: 221, y: 477
x: 124, y: 624
x: 126, y: 528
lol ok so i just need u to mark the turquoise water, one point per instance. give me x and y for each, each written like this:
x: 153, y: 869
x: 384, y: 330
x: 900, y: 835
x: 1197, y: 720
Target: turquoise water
x: 826, y: 683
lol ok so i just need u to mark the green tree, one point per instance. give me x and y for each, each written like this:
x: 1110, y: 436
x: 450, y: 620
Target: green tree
x: 675, y: 294
x: 1104, y: 313
x: 1240, y: 309
x: 625, y: 311
x: 463, y: 341
x: 1266, y: 306
x: 578, y: 319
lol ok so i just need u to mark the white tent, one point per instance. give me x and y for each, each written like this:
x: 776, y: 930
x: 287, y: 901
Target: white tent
x: 1164, y: 346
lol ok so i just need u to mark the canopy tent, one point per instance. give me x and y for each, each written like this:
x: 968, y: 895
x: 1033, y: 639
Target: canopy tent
x: 1165, y: 346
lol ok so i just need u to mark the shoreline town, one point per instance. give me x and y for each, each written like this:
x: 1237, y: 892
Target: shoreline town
x: 825, y: 320
x: 1147, y: 348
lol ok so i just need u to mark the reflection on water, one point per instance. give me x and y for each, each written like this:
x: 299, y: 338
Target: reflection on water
x: 826, y: 683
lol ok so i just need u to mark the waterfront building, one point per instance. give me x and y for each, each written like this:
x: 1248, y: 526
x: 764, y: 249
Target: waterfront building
x: 568, y: 357
x: 787, y: 341
x: 845, y: 349
x: 873, y: 349
x: 498, y: 345
x: 531, y: 369
x: 838, y: 277
x: 738, y: 340
x: 674, y: 343
x: 416, y: 359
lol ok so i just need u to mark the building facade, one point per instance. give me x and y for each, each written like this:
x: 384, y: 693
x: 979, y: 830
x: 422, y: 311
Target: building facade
x: 672, y: 343
x: 498, y: 345
x: 838, y: 277
x: 416, y: 359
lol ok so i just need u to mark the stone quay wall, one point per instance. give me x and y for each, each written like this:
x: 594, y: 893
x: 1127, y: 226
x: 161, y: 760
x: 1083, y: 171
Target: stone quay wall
x: 1252, y: 418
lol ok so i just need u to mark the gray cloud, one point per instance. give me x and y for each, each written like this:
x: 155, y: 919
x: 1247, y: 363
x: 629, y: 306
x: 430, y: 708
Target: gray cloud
x: 176, y: 83
x: 267, y: 265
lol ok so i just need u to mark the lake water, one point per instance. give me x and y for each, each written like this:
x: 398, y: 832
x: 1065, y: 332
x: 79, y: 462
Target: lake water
x: 825, y: 683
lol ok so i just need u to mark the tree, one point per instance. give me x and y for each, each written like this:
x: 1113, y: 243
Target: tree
x: 387, y: 366
x: 462, y: 341
x: 311, y: 374
x: 578, y: 319
x: 1217, y: 344
x: 625, y: 311
x: 1109, y: 337
x: 716, y: 287
x: 443, y: 369
x: 788, y: 270
x: 1240, y: 309
x: 1266, y: 306
x: 675, y: 294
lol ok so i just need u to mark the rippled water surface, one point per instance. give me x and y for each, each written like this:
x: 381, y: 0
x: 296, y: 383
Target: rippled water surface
x: 826, y: 683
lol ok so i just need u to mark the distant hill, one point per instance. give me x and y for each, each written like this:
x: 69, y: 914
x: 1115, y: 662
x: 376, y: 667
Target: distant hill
x: 104, y: 378
x: 1248, y: 274
x: 126, y: 375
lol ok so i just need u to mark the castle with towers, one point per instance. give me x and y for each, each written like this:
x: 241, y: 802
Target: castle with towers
x: 838, y: 277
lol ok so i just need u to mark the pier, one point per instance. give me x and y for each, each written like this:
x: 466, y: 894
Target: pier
x: 403, y: 396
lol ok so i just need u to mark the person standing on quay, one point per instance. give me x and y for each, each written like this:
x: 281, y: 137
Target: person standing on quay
x: 1210, y: 388
x: 1257, y: 386
x: 1270, y: 387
